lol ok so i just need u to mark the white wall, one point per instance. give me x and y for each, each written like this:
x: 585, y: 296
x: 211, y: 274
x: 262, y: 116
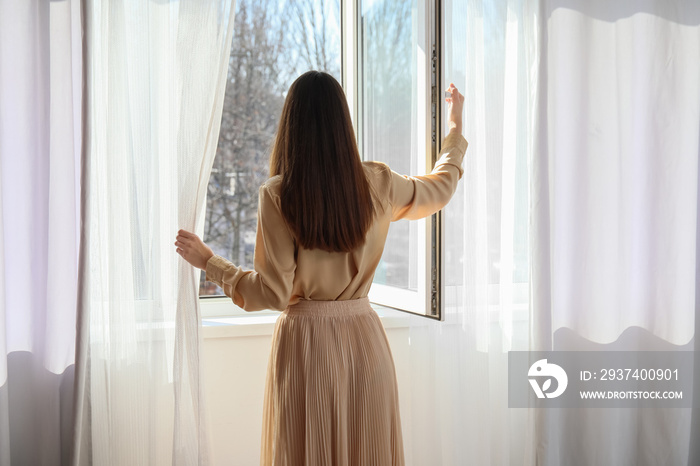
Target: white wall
x: 235, y: 365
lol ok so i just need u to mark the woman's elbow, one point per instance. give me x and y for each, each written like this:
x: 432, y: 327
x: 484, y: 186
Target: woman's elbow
x: 278, y: 303
x: 271, y: 301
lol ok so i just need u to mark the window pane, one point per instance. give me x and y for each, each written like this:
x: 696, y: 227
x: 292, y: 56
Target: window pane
x: 393, y: 117
x: 273, y: 43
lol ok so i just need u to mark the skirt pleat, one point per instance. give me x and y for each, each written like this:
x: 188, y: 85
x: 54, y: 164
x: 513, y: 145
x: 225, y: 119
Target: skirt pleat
x: 331, y: 396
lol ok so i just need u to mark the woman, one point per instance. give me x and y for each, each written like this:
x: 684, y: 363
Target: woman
x: 323, y: 216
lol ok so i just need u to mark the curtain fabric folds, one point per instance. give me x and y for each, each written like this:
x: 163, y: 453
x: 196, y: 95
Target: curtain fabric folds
x: 459, y: 400
x: 615, y: 210
x: 154, y: 77
x: 40, y: 95
x: 595, y: 107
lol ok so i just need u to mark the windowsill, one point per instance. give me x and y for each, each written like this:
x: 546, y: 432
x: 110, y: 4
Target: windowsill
x: 263, y: 323
x: 218, y: 321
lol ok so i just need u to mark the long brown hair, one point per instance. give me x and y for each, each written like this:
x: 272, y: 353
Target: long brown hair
x: 325, y: 197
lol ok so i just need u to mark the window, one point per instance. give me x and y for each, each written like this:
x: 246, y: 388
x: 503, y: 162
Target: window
x: 385, y: 54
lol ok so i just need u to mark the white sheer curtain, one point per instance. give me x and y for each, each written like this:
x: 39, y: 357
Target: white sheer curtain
x: 459, y: 402
x: 615, y: 207
x: 155, y: 78
x: 40, y: 118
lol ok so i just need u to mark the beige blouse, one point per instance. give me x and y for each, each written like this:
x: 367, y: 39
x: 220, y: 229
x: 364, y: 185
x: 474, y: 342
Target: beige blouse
x: 286, y: 273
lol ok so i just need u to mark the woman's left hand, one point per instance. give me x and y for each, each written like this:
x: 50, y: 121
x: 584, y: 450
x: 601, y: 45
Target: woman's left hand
x: 193, y: 249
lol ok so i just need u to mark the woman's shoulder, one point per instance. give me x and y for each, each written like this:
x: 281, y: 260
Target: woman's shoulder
x: 272, y: 185
x: 271, y: 189
x: 377, y: 172
x: 375, y: 165
x: 379, y: 177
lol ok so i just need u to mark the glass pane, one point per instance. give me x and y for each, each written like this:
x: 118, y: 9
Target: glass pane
x: 273, y: 43
x: 393, y: 58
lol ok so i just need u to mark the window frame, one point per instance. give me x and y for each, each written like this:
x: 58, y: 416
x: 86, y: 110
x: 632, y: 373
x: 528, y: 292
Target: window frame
x: 427, y: 301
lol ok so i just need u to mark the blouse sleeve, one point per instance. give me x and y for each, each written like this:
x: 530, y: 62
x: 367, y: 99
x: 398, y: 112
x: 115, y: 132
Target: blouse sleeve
x: 414, y: 197
x: 269, y: 286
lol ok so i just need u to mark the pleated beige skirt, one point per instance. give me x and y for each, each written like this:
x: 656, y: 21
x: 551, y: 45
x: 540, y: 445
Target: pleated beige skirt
x: 331, y: 396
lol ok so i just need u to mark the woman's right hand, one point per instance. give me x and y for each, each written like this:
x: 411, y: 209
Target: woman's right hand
x: 454, y: 111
